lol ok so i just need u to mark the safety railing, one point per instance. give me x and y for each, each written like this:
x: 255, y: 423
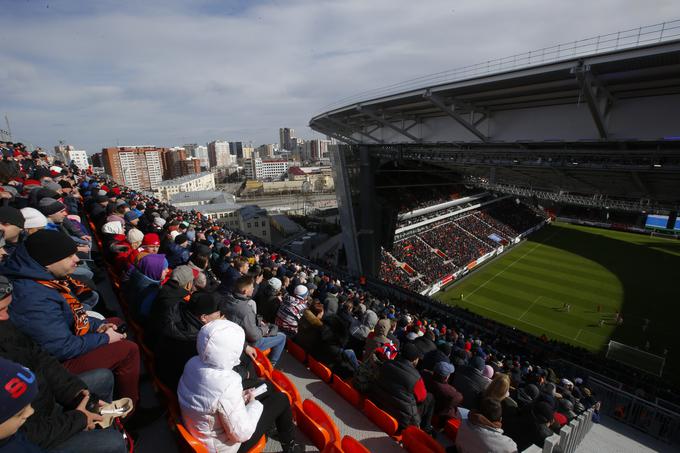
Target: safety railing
x: 641, y: 414
x: 626, y: 39
x: 570, y: 435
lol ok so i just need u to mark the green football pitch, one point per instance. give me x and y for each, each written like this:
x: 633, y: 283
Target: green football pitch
x: 598, y: 272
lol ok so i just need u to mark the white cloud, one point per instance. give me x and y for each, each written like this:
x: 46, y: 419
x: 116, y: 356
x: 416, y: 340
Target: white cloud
x: 173, y: 72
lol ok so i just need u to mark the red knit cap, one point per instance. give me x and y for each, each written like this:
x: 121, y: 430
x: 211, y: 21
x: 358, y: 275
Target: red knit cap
x: 151, y: 239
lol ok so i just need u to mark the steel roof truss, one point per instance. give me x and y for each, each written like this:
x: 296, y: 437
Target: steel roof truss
x: 470, y: 126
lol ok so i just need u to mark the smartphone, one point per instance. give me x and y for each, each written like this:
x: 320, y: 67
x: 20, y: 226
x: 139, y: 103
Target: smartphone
x: 260, y: 390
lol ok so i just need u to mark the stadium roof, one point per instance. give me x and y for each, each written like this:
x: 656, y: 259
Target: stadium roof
x: 473, y: 105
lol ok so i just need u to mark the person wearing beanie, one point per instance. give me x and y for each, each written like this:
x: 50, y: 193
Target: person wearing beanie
x: 401, y: 391
x: 135, y: 238
x: 12, y: 224
x: 482, y: 431
x: 34, y: 220
x: 237, y: 306
x: 441, y: 354
x: 291, y: 310
x: 40, y: 272
x: 178, y: 251
x: 131, y: 219
x: 145, y: 281
x: 19, y: 390
x: 178, y: 342
x: 268, y: 299
x: 172, y: 294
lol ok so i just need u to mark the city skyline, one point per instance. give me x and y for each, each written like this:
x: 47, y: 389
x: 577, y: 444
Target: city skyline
x: 167, y: 73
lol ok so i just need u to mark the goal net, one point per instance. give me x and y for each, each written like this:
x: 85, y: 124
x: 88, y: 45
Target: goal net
x: 636, y: 358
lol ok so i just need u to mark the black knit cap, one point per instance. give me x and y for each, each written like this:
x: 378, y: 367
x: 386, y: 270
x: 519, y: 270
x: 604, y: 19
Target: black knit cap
x: 65, y: 184
x: 12, y: 216
x: 49, y: 246
x: 48, y: 206
x: 203, y: 303
x: 181, y: 238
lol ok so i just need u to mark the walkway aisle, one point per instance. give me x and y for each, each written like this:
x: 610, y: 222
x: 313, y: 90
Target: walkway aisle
x: 615, y: 437
x: 348, y: 419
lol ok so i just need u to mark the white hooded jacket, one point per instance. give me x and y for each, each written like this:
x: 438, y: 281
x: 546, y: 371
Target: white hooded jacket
x: 210, y: 392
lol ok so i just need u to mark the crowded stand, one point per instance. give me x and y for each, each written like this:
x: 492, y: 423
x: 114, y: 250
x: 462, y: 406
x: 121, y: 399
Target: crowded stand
x: 414, y: 252
x: 479, y: 229
x: 208, y: 303
x: 391, y: 272
x: 458, y: 245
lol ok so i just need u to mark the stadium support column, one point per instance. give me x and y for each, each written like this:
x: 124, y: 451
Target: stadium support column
x: 343, y: 194
x: 366, y: 237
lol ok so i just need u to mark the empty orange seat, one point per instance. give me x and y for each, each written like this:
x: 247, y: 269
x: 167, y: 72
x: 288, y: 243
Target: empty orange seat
x: 322, y: 418
x: 351, y: 445
x: 348, y: 393
x: 296, y: 351
x: 285, y: 385
x: 189, y: 442
x: 416, y: 440
x: 318, y: 435
x: 319, y: 369
x: 451, y: 428
x: 381, y: 418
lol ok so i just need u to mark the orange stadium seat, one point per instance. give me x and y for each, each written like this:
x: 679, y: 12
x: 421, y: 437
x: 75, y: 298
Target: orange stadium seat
x: 351, y: 445
x: 381, y: 418
x: 285, y: 385
x: 315, y: 432
x: 318, y: 368
x: 264, y: 361
x: 348, y: 393
x: 189, y: 442
x: 415, y: 440
x: 296, y: 351
x: 322, y: 418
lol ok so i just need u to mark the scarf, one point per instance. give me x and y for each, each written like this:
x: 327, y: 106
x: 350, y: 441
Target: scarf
x: 66, y: 288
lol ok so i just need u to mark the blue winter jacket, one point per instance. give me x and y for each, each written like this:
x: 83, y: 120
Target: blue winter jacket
x: 42, y: 313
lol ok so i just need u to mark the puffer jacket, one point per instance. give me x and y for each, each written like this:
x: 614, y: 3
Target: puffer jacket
x: 42, y: 313
x: 210, y: 393
x: 395, y: 391
x: 177, y: 255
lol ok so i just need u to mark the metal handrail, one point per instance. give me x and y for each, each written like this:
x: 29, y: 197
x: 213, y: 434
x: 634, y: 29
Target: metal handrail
x: 627, y: 39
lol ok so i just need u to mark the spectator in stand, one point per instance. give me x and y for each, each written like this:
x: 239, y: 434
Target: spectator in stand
x: 19, y: 390
x: 35, y: 220
x: 12, y: 224
x: 470, y: 382
x: 165, y: 308
x: 178, y: 341
x: 178, y: 251
x: 532, y: 426
x: 144, y: 283
x: 482, y: 431
x: 61, y: 418
x: 441, y: 354
x: 131, y: 220
x: 48, y: 309
x: 291, y: 310
x: 215, y: 407
x: 236, y: 307
x: 269, y: 298
x: 400, y: 390
x: 310, y: 326
x: 238, y: 269
x: 499, y: 388
x: 446, y: 397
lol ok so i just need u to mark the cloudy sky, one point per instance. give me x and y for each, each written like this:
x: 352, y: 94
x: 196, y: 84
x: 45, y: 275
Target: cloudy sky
x: 98, y: 73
